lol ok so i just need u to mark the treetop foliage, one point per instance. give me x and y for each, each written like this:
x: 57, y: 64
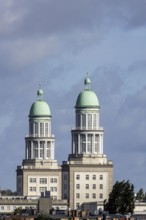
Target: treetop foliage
x: 121, y: 199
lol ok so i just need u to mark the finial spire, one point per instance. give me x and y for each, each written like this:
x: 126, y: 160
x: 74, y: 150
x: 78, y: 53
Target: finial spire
x: 40, y: 92
x: 87, y: 82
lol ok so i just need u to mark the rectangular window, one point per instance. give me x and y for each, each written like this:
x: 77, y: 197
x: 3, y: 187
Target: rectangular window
x: 97, y: 143
x: 42, y: 145
x: 87, y: 186
x: 94, y: 121
x: 94, y: 177
x: 77, y: 205
x: 41, y: 129
x: 87, y: 195
x: 30, y: 128
x: 51, y: 189
x: 2, y: 207
x: 87, y: 177
x: 46, y: 129
x: 35, y: 147
x: 32, y: 180
x: 89, y: 121
x: 77, y: 195
x: 36, y: 129
x: 53, y: 180
x: 101, y: 177
x: 55, y: 189
x: 43, y: 189
x: 43, y: 180
x: 94, y: 186
x: 94, y: 196
x: 48, y: 149
x: 77, y: 177
x: 77, y: 186
x: 89, y: 143
x: 101, y: 186
x: 32, y: 189
x: 83, y: 143
x: 101, y: 196
x: 8, y: 207
x: 83, y: 121
x: 78, y: 120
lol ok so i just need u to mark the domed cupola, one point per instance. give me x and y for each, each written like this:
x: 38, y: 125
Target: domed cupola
x: 87, y: 98
x: 39, y: 108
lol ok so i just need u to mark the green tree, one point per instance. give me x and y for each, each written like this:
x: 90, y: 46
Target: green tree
x: 140, y: 195
x: 121, y: 199
x: 7, y: 192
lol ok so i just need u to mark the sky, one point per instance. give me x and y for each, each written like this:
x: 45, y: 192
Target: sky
x: 56, y: 43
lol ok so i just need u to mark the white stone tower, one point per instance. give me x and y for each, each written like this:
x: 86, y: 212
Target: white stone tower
x: 87, y: 176
x: 39, y: 171
x: 40, y: 141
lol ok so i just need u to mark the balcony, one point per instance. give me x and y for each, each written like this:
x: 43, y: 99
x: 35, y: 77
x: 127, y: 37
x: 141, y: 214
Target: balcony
x: 39, y: 136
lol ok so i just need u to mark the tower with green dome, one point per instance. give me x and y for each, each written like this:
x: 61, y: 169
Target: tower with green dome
x: 40, y: 171
x: 87, y: 170
x: 87, y: 137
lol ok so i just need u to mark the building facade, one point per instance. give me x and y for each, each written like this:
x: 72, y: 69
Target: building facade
x: 87, y: 175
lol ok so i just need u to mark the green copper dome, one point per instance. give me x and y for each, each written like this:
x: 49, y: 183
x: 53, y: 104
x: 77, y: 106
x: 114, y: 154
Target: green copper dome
x: 87, y: 98
x: 39, y: 108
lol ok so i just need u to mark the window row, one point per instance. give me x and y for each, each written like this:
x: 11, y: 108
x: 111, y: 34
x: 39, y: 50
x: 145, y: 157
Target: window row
x: 39, y: 149
x: 87, y: 177
x: 88, y: 196
x: 43, y: 189
x: 42, y: 129
x: 86, y: 142
x: 87, y: 186
x: 86, y: 121
x: 43, y: 180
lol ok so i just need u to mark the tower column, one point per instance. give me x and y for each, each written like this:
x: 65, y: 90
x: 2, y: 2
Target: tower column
x: 73, y: 144
x: 79, y: 144
x: 38, y: 149
x: 32, y: 150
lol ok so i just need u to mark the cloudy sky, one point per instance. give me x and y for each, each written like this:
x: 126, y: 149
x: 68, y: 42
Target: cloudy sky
x: 56, y: 43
